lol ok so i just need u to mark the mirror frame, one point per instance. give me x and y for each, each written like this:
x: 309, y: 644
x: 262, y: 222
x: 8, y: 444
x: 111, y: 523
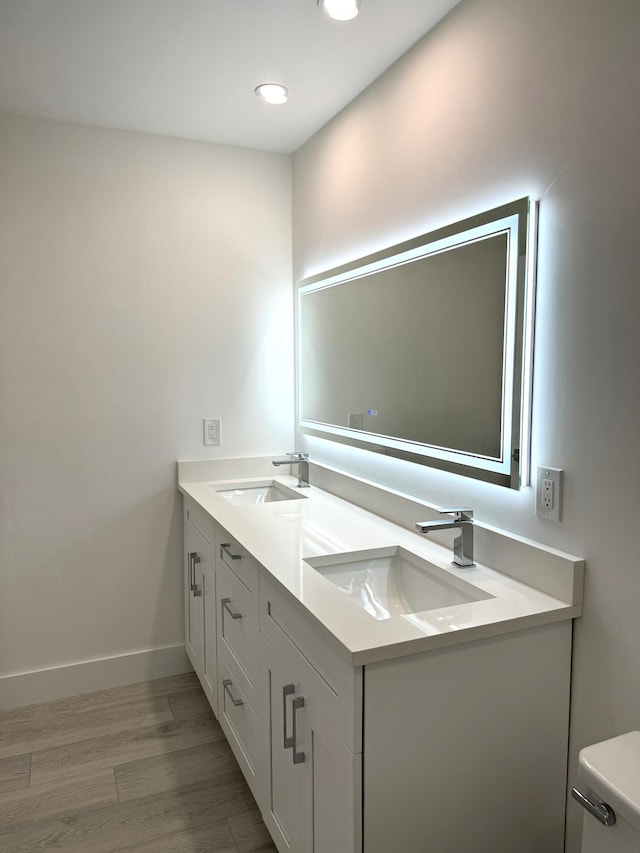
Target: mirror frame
x: 518, y: 220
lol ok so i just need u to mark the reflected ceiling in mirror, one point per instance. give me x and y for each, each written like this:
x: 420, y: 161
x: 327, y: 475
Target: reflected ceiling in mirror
x: 422, y: 350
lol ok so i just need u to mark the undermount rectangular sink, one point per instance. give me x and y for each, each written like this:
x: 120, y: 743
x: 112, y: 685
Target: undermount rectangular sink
x: 259, y: 492
x: 389, y: 582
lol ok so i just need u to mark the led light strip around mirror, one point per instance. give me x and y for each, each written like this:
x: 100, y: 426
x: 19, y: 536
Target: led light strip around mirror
x: 324, y: 370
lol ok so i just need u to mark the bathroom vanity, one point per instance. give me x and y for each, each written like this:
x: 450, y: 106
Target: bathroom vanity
x: 376, y: 697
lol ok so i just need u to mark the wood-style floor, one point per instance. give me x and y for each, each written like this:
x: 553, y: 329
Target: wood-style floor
x: 143, y: 768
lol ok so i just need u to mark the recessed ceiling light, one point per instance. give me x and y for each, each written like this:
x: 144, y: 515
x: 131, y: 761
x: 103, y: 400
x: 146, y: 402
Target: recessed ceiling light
x: 340, y: 10
x: 272, y: 93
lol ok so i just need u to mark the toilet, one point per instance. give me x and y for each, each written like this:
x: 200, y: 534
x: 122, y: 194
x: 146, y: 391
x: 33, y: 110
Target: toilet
x: 609, y: 791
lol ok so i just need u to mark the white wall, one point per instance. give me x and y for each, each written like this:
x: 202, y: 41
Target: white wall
x: 503, y: 100
x: 145, y: 284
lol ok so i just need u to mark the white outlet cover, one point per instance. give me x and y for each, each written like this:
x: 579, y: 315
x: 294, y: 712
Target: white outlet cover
x: 553, y: 512
x: 211, y: 431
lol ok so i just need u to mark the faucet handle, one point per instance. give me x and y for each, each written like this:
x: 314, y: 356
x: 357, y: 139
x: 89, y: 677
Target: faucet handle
x: 297, y: 454
x: 460, y: 513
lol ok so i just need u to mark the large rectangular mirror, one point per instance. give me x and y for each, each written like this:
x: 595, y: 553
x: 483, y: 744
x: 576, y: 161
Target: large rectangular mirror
x: 422, y: 350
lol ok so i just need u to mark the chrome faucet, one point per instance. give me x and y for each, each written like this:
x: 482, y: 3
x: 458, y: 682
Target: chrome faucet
x: 463, y: 544
x: 302, y: 461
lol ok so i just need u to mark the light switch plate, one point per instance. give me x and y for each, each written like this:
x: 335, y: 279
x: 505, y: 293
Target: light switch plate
x: 549, y: 493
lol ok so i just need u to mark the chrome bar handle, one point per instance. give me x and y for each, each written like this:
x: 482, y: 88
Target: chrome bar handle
x: 601, y: 811
x: 226, y: 683
x: 193, y: 559
x: 298, y: 702
x: 226, y: 602
x: 287, y: 742
x: 227, y: 549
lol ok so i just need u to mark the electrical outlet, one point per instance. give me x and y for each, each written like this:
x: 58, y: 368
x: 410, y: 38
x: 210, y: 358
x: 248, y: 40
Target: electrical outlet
x: 212, y: 431
x: 549, y: 493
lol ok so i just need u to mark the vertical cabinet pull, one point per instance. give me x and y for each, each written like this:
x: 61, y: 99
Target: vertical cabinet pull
x: 194, y: 559
x: 226, y: 604
x: 226, y: 683
x: 296, y: 704
x: 287, y: 690
x: 298, y: 757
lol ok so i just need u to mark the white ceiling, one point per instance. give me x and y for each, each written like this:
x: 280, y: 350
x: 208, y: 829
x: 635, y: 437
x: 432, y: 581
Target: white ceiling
x: 188, y: 68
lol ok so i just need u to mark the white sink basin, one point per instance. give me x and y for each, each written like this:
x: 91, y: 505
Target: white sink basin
x: 389, y: 582
x: 259, y: 492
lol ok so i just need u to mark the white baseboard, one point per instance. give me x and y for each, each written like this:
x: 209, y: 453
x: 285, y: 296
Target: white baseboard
x: 25, y: 688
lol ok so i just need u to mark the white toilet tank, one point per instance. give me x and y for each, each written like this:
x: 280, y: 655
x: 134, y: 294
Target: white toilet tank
x: 610, y: 792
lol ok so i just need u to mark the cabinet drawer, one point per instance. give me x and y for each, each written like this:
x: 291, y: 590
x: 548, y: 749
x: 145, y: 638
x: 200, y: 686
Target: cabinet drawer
x: 337, y: 687
x: 231, y: 554
x: 237, y: 631
x: 244, y: 600
x: 195, y: 543
x: 200, y: 520
x: 242, y: 728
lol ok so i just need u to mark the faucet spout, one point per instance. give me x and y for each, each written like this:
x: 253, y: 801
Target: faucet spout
x: 302, y: 461
x: 463, y: 544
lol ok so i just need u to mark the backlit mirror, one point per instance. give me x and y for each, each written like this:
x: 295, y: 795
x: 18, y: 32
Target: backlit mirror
x: 423, y: 350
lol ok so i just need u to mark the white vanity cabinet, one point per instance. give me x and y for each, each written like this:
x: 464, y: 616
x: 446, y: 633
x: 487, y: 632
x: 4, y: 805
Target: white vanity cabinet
x: 241, y: 714
x: 289, y: 706
x: 466, y: 746
x: 200, y: 599
x: 314, y: 777
x: 435, y: 745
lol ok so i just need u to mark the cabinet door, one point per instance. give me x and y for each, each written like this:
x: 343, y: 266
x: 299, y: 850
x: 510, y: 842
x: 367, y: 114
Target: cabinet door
x: 209, y: 675
x: 332, y: 788
x: 193, y: 598
x: 315, y: 781
x: 282, y: 810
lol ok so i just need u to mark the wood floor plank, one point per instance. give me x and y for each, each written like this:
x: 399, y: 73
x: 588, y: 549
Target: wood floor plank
x: 19, y: 736
x: 175, y: 770
x: 122, y: 747
x: 181, y: 788
x: 55, y: 799
x: 14, y: 784
x: 15, y: 772
x: 81, y: 703
x: 123, y: 826
x: 210, y: 838
x: 190, y: 704
x: 250, y: 834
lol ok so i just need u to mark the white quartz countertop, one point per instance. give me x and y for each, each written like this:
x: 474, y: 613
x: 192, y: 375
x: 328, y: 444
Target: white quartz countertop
x: 282, y: 533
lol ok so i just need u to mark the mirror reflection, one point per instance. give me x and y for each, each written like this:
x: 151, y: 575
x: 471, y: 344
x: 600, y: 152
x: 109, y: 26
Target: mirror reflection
x: 418, y: 350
